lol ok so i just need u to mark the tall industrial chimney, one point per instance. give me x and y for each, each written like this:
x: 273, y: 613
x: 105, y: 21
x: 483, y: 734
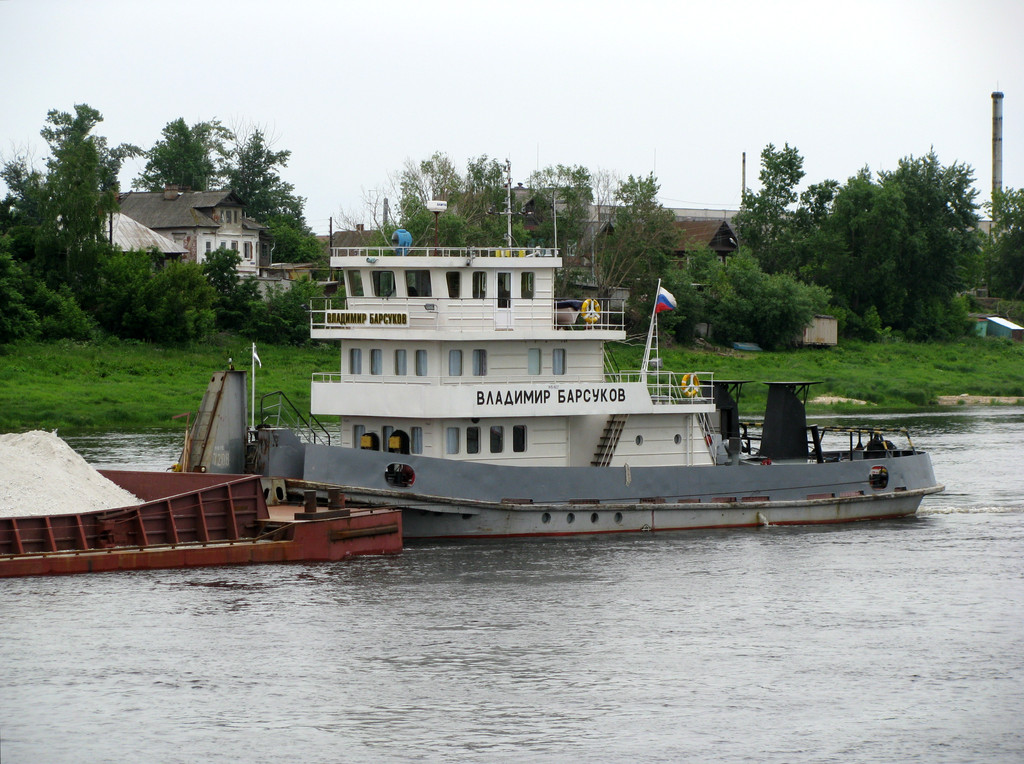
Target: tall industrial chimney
x: 997, y: 142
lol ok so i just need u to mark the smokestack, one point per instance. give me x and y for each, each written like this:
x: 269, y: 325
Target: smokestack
x: 997, y: 142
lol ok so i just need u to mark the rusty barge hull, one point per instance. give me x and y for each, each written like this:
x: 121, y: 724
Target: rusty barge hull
x: 191, y: 520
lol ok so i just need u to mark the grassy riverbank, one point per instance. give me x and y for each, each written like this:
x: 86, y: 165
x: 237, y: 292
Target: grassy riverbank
x: 79, y: 387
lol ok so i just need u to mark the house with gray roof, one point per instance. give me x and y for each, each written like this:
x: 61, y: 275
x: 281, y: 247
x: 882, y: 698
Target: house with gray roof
x: 200, y: 222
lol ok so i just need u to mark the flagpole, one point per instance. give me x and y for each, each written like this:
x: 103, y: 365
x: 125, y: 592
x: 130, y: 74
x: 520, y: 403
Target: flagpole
x: 650, y: 334
x: 252, y: 411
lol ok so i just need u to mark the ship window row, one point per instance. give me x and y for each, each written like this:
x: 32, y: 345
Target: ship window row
x: 455, y: 364
x: 496, y: 439
x: 418, y: 284
x: 391, y: 439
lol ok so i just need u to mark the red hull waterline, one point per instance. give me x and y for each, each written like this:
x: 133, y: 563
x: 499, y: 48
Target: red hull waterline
x: 191, y: 520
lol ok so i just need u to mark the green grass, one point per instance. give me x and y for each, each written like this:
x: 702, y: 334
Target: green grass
x: 81, y: 387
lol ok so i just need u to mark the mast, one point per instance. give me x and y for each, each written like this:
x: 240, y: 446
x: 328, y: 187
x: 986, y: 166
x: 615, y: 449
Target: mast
x: 650, y: 334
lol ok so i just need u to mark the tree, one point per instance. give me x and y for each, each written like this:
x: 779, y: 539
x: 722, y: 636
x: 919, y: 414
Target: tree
x: 252, y: 173
x: 80, y: 191
x: 1004, y: 251
x: 638, y: 246
x: 562, y: 200
x: 191, y: 157
x: 764, y: 222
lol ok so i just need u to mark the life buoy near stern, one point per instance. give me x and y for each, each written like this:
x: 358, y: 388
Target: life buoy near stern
x: 591, y: 310
x: 690, y: 385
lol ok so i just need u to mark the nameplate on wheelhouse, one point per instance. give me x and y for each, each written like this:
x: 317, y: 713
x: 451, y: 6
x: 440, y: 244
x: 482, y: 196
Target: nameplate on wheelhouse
x: 365, y: 318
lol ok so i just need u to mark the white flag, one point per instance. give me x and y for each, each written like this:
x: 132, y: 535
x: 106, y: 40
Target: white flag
x: 255, y: 356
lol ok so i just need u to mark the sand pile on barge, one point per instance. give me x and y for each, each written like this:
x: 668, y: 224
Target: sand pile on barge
x: 42, y: 475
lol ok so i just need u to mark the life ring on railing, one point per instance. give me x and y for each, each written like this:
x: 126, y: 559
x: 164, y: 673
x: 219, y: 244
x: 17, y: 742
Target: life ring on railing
x: 591, y: 310
x: 690, y: 385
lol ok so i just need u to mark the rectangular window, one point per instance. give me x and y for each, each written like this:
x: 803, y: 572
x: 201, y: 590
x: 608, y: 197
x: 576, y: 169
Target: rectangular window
x: 454, y: 363
x: 451, y: 440
x: 558, y: 361
x: 358, y: 430
x: 421, y: 363
x: 497, y: 439
x: 234, y: 246
x: 454, y: 284
x: 400, y: 363
x: 376, y: 362
x: 387, y: 432
x: 472, y: 440
x: 479, y: 285
x: 526, y: 287
x: 479, y: 363
x: 519, y: 438
x: 355, y: 361
x: 504, y: 290
x: 533, y: 361
x: 355, y: 284
x: 383, y: 283
x: 248, y: 250
x: 209, y: 246
x: 417, y: 283
x: 417, y: 440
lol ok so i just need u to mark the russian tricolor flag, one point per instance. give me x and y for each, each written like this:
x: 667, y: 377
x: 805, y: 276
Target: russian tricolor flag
x: 665, y: 300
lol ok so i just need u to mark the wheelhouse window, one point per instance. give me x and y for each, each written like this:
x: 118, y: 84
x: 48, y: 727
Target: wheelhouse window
x: 472, y: 440
x: 558, y: 361
x: 357, y: 435
x: 355, y: 361
x: 533, y: 361
x: 497, y: 439
x: 355, y: 284
x: 526, y: 285
x: 400, y: 370
x: 376, y: 362
x: 417, y: 283
x: 504, y: 290
x: 519, y: 438
x: 454, y: 279
x: 479, y: 285
x: 421, y: 363
x: 454, y: 363
x: 451, y: 440
x: 383, y: 283
x: 479, y: 363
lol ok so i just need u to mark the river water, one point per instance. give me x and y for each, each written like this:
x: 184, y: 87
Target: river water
x: 876, y: 642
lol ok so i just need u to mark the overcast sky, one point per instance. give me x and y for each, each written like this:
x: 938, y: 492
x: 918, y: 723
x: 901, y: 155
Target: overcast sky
x: 682, y: 89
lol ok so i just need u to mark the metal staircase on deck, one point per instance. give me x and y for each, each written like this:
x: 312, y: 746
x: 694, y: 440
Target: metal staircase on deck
x: 609, y: 440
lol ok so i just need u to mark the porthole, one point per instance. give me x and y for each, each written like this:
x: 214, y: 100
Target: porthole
x: 618, y: 518
x: 678, y: 439
x: 570, y: 518
x: 639, y: 440
x: 546, y: 517
x: 593, y: 517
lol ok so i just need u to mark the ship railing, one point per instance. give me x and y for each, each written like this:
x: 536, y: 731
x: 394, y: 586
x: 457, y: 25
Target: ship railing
x: 583, y: 314
x: 467, y: 379
x: 276, y: 410
x: 830, y: 443
x: 466, y: 314
x: 670, y: 386
x: 457, y: 252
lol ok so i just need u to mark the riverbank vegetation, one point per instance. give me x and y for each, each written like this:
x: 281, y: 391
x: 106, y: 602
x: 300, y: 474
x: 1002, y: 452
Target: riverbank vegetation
x: 131, y: 386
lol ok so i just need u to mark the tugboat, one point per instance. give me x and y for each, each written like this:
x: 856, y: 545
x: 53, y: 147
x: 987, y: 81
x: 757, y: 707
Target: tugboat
x: 478, y: 401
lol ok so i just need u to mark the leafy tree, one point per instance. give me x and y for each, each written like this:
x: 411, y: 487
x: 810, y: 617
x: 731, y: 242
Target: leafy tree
x: 17, y: 320
x: 284, y: 315
x: 293, y: 244
x: 235, y: 297
x: 181, y: 304
x: 120, y: 303
x: 1004, y: 251
x: 763, y: 222
x: 638, y: 247
x: 769, y: 309
x: 562, y: 200
x: 252, y: 173
x: 192, y: 157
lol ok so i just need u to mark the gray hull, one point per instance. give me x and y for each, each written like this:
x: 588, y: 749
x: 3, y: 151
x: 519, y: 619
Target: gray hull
x: 452, y: 499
